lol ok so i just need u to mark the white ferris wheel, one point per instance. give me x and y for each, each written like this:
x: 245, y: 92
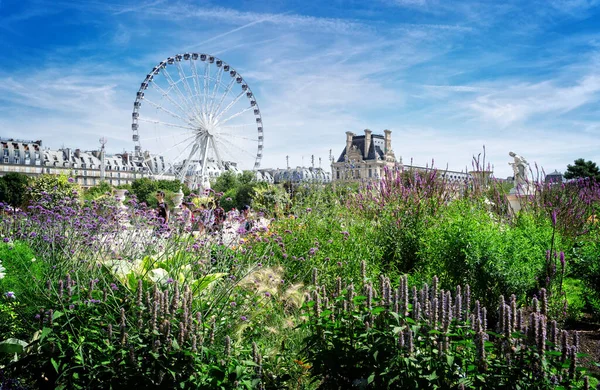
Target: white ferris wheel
x: 194, y: 117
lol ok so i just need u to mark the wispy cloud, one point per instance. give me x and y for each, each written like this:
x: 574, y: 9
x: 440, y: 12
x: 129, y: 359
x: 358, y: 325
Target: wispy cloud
x: 521, y: 102
x: 446, y: 78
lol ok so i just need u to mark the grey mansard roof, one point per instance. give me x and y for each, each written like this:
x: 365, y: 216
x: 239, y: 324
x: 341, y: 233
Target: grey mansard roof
x: 374, y: 150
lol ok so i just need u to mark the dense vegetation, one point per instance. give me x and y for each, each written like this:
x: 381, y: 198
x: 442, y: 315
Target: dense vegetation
x: 412, y: 282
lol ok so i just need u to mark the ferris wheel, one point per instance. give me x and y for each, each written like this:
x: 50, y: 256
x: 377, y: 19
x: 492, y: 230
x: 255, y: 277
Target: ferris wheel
x: 194, y: 117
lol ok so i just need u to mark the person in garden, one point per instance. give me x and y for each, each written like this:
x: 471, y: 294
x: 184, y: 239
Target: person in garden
x: 186, y: 211
x: 246, y: 222
x: 209, y: 217
x: 162, y: 209
x: 198, y: 219
x: 219, y: 213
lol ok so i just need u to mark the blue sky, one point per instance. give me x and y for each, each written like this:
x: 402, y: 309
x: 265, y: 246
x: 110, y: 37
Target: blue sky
x: 445, y: 77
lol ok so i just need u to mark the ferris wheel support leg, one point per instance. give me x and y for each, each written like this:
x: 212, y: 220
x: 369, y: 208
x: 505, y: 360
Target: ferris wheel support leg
x: 204, y: 182
x: 186, y: 164
x: 212, y: 140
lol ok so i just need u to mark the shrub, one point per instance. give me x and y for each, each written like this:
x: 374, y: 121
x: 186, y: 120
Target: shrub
x: 374, y: 336
x: 466, y: 244
x: 53, y: 189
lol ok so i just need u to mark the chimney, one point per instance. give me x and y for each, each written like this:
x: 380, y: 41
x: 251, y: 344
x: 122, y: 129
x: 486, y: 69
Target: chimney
x: 77, y: 152
x: 388, y: 140
x: 367, y: 142
x: 349, y: 136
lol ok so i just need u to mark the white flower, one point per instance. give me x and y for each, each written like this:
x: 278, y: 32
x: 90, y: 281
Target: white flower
x: 158, y: 275
x: 2, y: 271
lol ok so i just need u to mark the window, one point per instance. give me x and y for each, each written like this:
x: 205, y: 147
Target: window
x: 370, y: 172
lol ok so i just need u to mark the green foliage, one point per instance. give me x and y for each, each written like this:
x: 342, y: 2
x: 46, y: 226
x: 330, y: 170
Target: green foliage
x: 465, y: 245
x: 359, y: 341
x: 53, y: 189
x: 98, y: 191
x: 585, y: 265
x: 13, y: 187
x: 144, y: 189
x: 576, y: 298
x: 21, y: 268
x: 582, y: 169
x: 239, y: 187
x: 271, y: 199
x: 227, y: 181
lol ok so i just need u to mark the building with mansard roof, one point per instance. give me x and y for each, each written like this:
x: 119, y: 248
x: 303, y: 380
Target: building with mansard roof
x: 365, y: 157
x: 29, y: 158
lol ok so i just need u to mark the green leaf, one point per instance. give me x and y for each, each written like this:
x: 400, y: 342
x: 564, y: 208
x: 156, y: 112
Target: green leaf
x: 54, y: 364
x: 12, y: 346
x: 371, y: 378
x: 201, y: 284
x: 57, y: 314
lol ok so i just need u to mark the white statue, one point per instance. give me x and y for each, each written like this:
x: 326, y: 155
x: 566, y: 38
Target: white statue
x: 520, y: 166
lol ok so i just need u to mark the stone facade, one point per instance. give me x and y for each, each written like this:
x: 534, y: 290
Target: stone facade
x: 28, y: 157
x: 365, y: 157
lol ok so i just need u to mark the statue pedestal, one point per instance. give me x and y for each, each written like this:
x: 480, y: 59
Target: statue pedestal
x: 518, y: 195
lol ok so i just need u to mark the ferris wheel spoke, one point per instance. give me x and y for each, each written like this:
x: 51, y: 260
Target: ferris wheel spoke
x: 170, y: 99
x: 236, y: 115
x: 167, y: 124
x: 215, y: 88
x: 227, y: 90
x: 205, y: 90
x: 161, y: 108
x: 233, y: 102
x: 196, y: 80
x: 175, y: 87
x: 237, y: 136
x: 227, y: 143
x: 186, y: 85
x: 166, y: 151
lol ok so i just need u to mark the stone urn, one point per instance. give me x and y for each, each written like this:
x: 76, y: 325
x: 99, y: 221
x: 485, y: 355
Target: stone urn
x: 120, y: 197
x: 178, y: 199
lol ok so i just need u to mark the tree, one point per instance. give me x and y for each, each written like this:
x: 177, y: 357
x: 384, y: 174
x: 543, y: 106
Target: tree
x: 226, y: 181
x: 144, y: 189
x: 582, y: 169
x: 51, y: 189
x: 13, y: 188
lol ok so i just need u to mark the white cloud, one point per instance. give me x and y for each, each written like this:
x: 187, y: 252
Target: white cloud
x: 522, y: 101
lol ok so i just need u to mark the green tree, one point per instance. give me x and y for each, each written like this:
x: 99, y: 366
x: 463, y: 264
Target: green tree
x: 13, y: 188
x: 53, y: 188
x: 144, y: 189
x: 582, y: 169
x: 98, y: 190
x: 227, y: 181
